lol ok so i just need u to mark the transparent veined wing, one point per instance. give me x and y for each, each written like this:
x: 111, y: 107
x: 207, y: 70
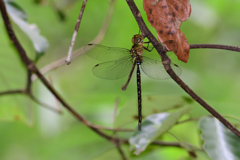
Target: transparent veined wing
x: 104, y: 53
x: 155, y: 69
x: 153, y: 54
x: 113, y: 69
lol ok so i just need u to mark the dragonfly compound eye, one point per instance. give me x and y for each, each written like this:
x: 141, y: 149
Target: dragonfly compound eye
x: 137, y: 39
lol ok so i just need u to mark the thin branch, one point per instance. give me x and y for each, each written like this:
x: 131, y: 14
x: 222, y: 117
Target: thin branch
x: 56, y: 110
x: 166, y: 62
x: 29, y: 81
x: 184, y: 145
x: 24, y: 91
x: 68, y: 59
x: 215, y: 46
x: 106, y: 23
x: 17, y: 91
x: 56, y: 64
x: 31, y: 66
x: 118, y: 145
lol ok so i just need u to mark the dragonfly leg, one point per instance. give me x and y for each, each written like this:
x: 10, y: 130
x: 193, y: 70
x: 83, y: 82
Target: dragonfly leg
x: 124, y: 87
x: 146, y: 48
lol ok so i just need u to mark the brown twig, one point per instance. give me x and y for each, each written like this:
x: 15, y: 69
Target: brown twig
x: 29, y: 64
x: 17, y: 91
x: 51, y: 108
x: 33, y: 69
x: 29, y: 81
x: 25, y: 92
x: 120, y: 151
x: 56, y: 64
x: 68, y: 59
x: 166, y: 62
x: 215, y: 46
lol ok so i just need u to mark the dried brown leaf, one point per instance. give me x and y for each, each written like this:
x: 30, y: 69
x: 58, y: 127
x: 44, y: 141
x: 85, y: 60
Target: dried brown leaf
x: 166, y: 16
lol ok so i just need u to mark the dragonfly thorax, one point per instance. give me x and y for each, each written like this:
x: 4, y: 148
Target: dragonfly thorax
x: 137, y: 49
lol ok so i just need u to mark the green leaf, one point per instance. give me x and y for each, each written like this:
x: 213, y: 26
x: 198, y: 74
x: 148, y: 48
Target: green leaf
x: 219, y: 142
x: 11, y: 113
x: 12, y: 76
x: 10, y: 109
x: 19, y: 17
x: 151, y: 105
x: 153, y: 127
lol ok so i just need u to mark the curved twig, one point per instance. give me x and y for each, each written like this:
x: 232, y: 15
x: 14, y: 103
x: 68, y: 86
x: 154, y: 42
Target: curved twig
x: 68, y: 59
x: 167, y: 61
x: 56, y: 64
x: 215, y: 46
x: 29, y: 81
x: 29, y: 64
x: 25, y: 92
x: 120, y: 151
x: 17, y: 91
x: 31, y: 67
x: 51, y: 108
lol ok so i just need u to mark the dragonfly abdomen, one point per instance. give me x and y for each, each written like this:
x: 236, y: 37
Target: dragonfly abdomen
x: 139, y: 92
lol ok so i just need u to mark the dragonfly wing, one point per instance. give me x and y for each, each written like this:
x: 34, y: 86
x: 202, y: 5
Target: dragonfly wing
x: 155, y: 69
x: 104, y: 53
x: 113, y: 69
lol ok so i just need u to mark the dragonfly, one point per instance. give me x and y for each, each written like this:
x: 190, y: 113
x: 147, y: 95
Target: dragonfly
x: 120, y: 62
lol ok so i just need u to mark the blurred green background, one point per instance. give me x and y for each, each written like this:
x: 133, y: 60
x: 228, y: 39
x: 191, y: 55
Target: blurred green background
x: 41, y: 134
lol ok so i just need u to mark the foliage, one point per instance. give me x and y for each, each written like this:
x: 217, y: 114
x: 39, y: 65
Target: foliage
x: 219, y: 142
x: 52, y: 136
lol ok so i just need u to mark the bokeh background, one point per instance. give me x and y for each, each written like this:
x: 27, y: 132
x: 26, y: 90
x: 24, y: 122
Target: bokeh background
x: 39, y: 134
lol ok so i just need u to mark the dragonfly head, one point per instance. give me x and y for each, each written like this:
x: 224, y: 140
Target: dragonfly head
x: 137, y: 39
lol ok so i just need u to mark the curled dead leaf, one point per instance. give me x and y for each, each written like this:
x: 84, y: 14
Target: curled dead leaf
x: 166, y: 17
